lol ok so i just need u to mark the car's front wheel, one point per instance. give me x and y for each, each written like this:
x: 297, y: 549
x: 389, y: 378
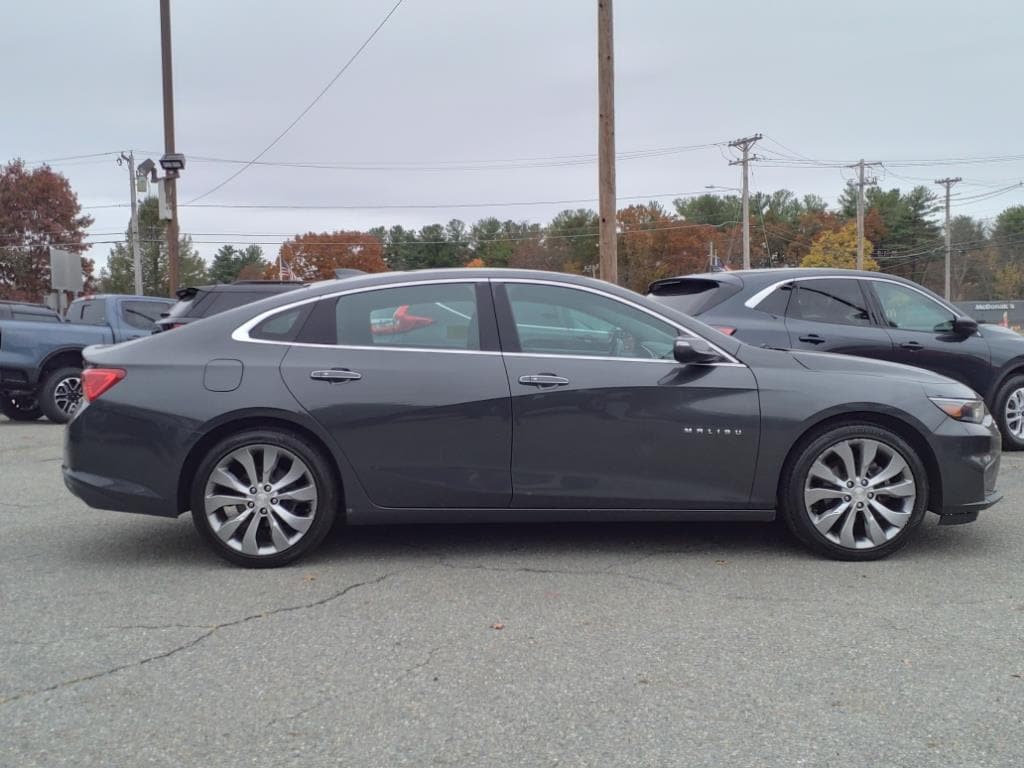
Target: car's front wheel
x: 263, y: 498
x: 20, y: 408
x: 854, y: 492
x: 1009, y: 413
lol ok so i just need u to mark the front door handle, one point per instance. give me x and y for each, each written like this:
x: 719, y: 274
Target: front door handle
x: 913, y: 346
x: 812, y: 338
x: 336, y: 375
x: 543, y: 380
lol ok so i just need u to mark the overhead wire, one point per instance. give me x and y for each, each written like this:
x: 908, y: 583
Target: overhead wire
x: 309, y: 106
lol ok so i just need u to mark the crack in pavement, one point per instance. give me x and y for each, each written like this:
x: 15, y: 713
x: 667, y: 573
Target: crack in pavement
x: 197, y: 640
x: 327, y: 699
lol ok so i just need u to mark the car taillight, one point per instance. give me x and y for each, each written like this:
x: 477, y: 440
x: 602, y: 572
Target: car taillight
x: 96, y: 381
x: 727, y: 330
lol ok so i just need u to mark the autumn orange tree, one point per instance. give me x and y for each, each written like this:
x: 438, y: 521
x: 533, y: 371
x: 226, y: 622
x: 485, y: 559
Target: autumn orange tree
x: 654, y: 244
x: 315, y: 255
x: 37, y: 209
x: 839, y: 249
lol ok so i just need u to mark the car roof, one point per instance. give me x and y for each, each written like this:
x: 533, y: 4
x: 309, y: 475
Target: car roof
x: 761, y: 277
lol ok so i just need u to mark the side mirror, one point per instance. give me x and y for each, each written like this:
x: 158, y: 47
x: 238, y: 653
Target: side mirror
x: 694, y: 351
x: 965, y: 326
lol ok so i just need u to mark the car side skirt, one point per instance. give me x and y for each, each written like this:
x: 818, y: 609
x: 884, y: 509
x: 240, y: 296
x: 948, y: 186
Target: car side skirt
x: 391, y: 516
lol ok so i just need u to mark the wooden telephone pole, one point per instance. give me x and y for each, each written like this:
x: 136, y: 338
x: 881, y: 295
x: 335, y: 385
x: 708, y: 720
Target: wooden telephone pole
x: 170, y: 181
x: 948, y: 184
x: 607, y: 245
x: 861, y: 183
x: 744, y: 145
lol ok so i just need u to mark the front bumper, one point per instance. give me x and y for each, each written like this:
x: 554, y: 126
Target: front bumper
x: 968, y: 458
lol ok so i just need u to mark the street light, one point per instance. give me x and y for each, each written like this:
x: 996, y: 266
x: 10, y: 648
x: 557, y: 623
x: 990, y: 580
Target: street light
x: 173, y: 164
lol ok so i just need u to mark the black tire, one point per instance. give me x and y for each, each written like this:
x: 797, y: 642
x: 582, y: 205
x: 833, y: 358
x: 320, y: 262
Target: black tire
x: 798, y: 516
x: 1011, y: 442
x: 322, y: 511
x: 61, y: 394
x: 20, y: 408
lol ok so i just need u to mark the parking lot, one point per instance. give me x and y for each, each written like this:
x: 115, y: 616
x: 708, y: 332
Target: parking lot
x: 125, y: 642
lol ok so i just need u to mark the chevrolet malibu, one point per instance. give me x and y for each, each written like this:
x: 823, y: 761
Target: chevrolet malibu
x: 501, y: 395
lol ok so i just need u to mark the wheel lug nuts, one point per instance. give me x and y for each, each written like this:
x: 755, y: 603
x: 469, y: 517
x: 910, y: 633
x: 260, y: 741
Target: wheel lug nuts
x: 267, y: 487
x: 273, y: 501
x: 263, y: 510
x: 863, y: 482
x: 252, y: 490
x: 849, y: 483
x: 860, y: 505
x: 251, y: 505
x: 846, y: 498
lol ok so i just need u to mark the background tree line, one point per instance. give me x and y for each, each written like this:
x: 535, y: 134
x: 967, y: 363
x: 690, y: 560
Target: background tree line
x: 902, y: 230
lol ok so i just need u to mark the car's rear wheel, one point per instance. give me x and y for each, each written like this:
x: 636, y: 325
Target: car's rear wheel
x: 1009, y: 413
x: 20, y: 408
x: 854, y: 492
x: 61, y: 394
x: 263, y: 498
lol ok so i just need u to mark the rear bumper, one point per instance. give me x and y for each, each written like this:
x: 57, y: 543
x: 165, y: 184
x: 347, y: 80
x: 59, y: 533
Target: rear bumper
x: 124, y: 459
x: 118, y: 495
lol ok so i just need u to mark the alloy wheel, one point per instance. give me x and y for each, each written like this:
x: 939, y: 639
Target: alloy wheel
x: 67, y: 395
x: 1014, y: 414
x: 260, y: 499
x: 860, y: 493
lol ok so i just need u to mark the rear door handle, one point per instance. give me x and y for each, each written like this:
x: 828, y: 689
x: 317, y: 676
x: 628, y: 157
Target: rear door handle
x: 812, y: 338
x: 543, y: 380
x: 336, y: 375
x: 913, y: 346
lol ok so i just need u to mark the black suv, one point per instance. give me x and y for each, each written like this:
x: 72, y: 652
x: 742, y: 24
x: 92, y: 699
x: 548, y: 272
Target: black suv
x: 195, y: 303
x: 868, y: 314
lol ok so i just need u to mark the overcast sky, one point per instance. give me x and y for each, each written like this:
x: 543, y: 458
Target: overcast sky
x: 449, y: 81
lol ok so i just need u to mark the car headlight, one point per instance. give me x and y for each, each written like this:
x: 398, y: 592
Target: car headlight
x: 969, y: 409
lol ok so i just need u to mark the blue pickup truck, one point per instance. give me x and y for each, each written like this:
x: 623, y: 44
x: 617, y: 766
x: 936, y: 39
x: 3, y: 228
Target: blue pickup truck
x: 41, y: 362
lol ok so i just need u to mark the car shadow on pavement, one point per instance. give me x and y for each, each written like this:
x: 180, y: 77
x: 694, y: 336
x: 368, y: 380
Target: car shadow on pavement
x: 142, y: 541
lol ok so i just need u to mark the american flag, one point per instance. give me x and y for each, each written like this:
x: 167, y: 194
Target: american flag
x: 284, y: 269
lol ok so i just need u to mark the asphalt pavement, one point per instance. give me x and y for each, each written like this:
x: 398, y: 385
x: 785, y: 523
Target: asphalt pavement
x: 124, y: 642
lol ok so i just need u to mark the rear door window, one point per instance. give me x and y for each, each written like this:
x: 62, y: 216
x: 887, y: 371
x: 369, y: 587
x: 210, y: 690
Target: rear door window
x: 434, y: 316
x: 142, y: 314
x: 93, y: 312
x: 839, y: 301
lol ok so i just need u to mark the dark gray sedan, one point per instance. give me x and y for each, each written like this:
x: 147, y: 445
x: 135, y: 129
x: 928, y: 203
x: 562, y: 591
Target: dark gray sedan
x: 500, y: 395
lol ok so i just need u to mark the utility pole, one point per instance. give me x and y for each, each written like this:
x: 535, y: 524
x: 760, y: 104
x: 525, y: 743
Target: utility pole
x: 170, y: 183
x: 129, y: 158
x: 861, y: 183
x: 745, y: 145
x: 948, y: 184
x: 607, y: 244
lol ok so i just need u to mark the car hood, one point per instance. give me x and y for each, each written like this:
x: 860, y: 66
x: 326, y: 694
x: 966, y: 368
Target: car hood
x: 862, y: 366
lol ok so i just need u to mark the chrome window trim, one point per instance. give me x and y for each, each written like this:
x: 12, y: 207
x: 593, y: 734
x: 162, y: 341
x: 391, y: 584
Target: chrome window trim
x: 679, y: 328
x: 241, y: 333
x: 763, y: 294
x: 663, y: 360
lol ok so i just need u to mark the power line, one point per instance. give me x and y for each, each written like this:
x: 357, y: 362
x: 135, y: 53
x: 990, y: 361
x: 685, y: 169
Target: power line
x: 404, y: 206
x: 303, y: 113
